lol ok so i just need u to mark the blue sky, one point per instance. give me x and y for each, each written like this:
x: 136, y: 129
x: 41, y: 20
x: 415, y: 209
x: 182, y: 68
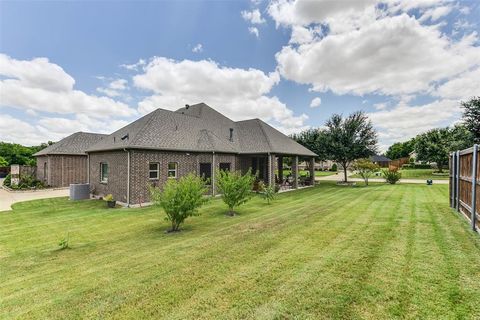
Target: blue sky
x: 95, y: 66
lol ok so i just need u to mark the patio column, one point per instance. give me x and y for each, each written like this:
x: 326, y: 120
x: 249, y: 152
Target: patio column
x: 271, y: 170
x: 312, y: 171
x: 295, y: 171
x: 280, y: 168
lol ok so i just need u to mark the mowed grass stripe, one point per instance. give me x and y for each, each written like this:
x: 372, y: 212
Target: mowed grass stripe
x: 89, y: 270
x: 316, y: 253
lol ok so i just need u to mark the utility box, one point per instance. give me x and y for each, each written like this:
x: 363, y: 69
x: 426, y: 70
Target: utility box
x: 79, y: 191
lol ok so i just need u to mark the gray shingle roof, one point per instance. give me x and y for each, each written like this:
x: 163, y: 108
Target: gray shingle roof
x: 200, y: 128
x: 379, y: 158
x: 74, y: 144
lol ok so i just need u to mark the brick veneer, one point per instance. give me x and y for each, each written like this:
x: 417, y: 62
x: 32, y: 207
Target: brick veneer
x: 62, y: 170
x: 117, y: 175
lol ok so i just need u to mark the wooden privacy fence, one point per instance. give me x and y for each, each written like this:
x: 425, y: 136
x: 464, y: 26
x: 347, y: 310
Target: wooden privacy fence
x: 465, y: 184
x: 398, y: 163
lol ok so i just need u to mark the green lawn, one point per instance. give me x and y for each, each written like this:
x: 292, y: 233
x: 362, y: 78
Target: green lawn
x: 378, y: 252
x: 421, y: 174
x: 306, y: 173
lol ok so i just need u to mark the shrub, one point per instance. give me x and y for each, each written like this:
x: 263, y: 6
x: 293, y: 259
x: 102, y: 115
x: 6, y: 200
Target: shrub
x: 334, y: 168
x: 8, y: 180
x: 365, y: 168
x: 180, y: 199
x: 236, y: 189
x: 391, y: 176
x: 267, y: 192
x: 108, y: 197
x: 64, y: 242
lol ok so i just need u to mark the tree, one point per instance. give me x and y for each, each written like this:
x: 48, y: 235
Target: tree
x: 436, y: 144
x: 311, y: 139
x: 400, y: 149
x: 235, y: 188
x: 471, y: 117
x: 15, y: 153
x: 365, y: 168
x: 180, y: 199
x: 3, y: 162
x: 345, y: 140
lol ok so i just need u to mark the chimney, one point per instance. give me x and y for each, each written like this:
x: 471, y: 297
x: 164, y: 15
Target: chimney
x: 187, y: 106
x: 231, y: 134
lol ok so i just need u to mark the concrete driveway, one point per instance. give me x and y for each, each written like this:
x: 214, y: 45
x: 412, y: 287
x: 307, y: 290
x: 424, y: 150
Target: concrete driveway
x: 339, y: 177
x: 9, y: 198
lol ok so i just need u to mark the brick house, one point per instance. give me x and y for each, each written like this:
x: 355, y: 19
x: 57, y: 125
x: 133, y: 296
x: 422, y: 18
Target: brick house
x: 169, y: 144
x: 65, y: 162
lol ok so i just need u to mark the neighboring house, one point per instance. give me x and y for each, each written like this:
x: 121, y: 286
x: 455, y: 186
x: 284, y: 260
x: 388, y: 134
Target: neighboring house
x: 65, y: 162
x: 322, y: 165
x: 170, y: 144
x: 380, y: 160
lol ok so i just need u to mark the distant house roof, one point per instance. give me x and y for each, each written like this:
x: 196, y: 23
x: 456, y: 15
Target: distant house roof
x: 74, y: 144
x: 199, y: 128
x: 379, y: 158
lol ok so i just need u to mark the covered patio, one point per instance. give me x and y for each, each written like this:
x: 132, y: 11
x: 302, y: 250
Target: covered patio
x: 270, y: 169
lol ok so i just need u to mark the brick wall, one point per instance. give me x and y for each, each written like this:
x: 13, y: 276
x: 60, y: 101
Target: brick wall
x: 117, y: 177
x: 41, y: 161
x: 187, y: 162
x: 62, y: 170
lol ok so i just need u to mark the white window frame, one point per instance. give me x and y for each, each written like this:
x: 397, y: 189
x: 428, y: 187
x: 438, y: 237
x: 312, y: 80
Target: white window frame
x: 157, y: 170
x: 172, y: 170
x: 101, y: 172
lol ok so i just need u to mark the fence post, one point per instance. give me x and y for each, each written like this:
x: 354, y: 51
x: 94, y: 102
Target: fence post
x: 452, y: 179
x: 457, y: 181
x: 474, y: 185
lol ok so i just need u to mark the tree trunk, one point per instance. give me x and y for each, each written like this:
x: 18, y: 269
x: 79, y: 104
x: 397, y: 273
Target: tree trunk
x: 366, y: 181
x: 345, y: 171
x: 440, y: 167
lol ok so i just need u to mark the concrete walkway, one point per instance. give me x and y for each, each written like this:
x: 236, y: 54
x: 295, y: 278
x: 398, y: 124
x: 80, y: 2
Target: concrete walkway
x: 339, y: 177
x: 9, y: 198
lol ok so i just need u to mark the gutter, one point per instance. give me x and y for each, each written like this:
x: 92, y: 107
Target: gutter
x: 213, y: 173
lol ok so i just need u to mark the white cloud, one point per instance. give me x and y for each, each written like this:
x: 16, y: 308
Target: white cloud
x: 435, y: 13
x: 387, y: 57
x: 198, y: 48
x: 254, y: 16
x: 43, y: 86
x: 302, y: 35
x: 254, y: 31
x: 462, y: 87
x: 404, y: 121
x: 18, y: 131
x: 134, y: 66
x: 380, y: 106
x: 315, y: 102
x: 114, y: 87
x: 238, y: 93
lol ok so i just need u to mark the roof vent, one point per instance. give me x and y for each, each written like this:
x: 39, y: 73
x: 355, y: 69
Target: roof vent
x: 231, y: 134
x: 125, y: 137
x: 187, y: 106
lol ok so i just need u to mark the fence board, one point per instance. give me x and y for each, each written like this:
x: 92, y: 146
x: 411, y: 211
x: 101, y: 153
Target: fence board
x: 465, y: 184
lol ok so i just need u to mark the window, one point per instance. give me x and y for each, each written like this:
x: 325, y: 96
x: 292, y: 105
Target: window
x: 224, y: 166
x: 104, y: 172
x: 153, y: 171
x: 172, y: 170
x: 206, y: 172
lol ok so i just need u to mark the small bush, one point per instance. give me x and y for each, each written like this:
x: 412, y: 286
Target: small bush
x: 235, y: 188
x: 180, y: 199
x: 64, y: 242
x: 8, y: 180
x: 108, y: 197
x: 391, y: 176
x: 267, y: 192
x: 334, y: 168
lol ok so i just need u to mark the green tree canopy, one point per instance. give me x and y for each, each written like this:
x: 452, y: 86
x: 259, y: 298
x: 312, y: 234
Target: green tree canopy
x: 345, y: 140
x: 311, y: 139
x: 400, y: 149
x: 471, y: 117
x: 15, y: 153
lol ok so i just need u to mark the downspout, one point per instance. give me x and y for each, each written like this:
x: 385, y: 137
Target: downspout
x: 213, y: 173
x: 88, y: 168
x: 128, y: 176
